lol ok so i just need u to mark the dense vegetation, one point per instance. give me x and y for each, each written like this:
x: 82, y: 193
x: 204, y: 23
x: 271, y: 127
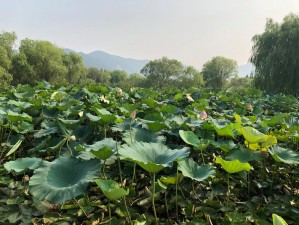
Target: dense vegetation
x: 83, y: 155
x: 275, y: 56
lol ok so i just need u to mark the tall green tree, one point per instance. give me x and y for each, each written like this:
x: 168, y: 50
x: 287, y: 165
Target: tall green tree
x: 275, y: 56
x: 75, y: 67
x: 99, y: 76
x: 162, y: 72
x: 8, y: 41
x: 45, y: 61
x: 118, y: 76
x: 190, y: 78
x: 218, y: 70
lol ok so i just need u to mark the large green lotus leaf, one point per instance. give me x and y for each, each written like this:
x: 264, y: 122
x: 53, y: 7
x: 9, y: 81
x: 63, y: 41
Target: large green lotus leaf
x: 225, y: 146
x: 142, y: 135
x: 22, y: 127
x: 277, y: 119
x: 278, y: 220
x: 152, y: 157
x: 190, y: 138
x: 105, y: 115
x: 284, y: 155
x: 157, y: 126
x: 69, y: 124
x: 263, y: 146
x: 92, y: 117
x: 102, y: 149
x: 19, y: 104
x: 234, y: 166
x: 63, y: 179
x: 191, y: 169
x: 15, y: 117
x: 168, y: 109
x: 66, y: 104
x: 252, y: 135
x: 111, y: 189
x: 244, y: 154
x: 226, y: 131
x: 22, y: 164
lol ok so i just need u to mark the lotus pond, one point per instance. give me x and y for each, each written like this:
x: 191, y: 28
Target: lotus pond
x: 100, y: 155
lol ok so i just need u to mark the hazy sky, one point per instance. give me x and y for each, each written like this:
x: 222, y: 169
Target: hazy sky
x: 192, y: 31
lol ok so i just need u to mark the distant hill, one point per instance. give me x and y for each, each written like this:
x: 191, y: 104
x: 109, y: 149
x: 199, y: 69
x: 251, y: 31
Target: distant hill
x: 106, y: 61
x: 245, y: 70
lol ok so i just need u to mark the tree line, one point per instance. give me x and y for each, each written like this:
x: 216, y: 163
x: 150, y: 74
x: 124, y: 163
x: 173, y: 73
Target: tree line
x: 274, y: 55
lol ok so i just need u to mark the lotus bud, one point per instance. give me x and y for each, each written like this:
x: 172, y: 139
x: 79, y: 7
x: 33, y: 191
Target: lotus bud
x: 249, y: 107
x: 266, y: 111
x: 133, y: 114
x: 72, y: 138
x: 80, y: 113
x: 203, y: 115
x: 120, y: 92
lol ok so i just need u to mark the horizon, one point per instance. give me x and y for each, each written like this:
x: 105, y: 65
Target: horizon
x: 148, y: 29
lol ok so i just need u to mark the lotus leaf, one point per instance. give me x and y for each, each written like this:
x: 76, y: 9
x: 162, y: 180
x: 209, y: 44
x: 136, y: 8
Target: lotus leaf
x: 142, y: 135
x: 244, y: 154
x: 152, y: 157
x: 257, y: 140
x: 278, y: 220
x: 15, y: 117
x: 22, y: 164
x: 191, y: 169
x: 111, y: 189
x: 190, y: 138
x: 234, y: 166
x: 284, y: 155
x: 102, y: 149
x: 63, y: 179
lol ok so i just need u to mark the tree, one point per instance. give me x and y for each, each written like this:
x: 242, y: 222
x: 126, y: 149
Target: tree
x: 75, y: 67
x: 218, y: 70
x: 99, y: 76
x: 191, y: 77
x: 45, y: 61
x: 5, y: 77
x: 7, y: 41
x: 118, y: 76
x: 240, y: 82
x: 162, y: 72
x: 275, y: 56
x: 134, y: 80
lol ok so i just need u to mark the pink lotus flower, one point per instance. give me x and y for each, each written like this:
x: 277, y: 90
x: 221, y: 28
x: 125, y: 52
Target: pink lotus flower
x: 133, y: 114
x: 250, y: 107
x: 203, y: 115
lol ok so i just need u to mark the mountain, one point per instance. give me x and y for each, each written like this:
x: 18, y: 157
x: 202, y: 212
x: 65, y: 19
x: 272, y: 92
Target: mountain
x: 106, y: 61
x: 246, y: 69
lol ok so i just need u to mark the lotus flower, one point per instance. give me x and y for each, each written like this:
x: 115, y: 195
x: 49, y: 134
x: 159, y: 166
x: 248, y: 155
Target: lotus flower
x: 203, y: 115
x: 120, y: 92
x: 133, y: 114
x: 249, y: 107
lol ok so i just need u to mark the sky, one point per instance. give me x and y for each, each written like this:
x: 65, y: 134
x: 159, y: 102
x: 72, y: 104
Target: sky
x: 191, y: 31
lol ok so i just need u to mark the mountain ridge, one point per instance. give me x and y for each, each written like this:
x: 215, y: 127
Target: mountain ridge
x: 107, y: 61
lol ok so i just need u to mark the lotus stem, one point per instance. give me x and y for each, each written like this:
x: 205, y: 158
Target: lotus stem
x: 81, y: 208
x: 119, y: 167
x: 153, y: 198
x: 109, y: 209
x: 228, y: 191
x: 203, y: 160
x: 128, y: 213
x: 176, y: 194
x: 134, y: 175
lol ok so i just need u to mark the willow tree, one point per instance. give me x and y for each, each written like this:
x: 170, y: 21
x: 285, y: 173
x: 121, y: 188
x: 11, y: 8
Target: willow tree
x: 275, y: 55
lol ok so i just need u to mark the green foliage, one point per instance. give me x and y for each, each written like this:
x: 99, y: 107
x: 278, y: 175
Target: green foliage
x: 53, y: 139
x: 274, y: 54
x: 162, y: 72
x: 218, y: 70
